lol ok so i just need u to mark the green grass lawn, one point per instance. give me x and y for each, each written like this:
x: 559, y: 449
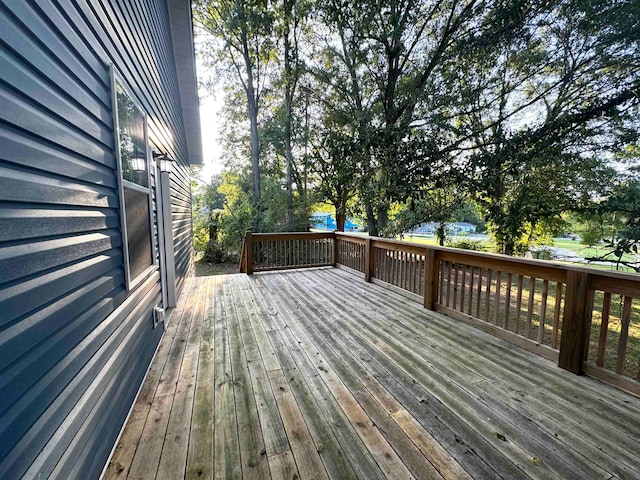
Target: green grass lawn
x: 586, y: 251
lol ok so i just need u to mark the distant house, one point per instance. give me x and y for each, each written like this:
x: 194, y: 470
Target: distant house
x: 462, y: 227
x: 325, y: 221
x: 456, y: 228
x: 97, y: 100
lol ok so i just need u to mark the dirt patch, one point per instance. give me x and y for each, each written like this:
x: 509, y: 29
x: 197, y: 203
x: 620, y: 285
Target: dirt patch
x: 205, y: 269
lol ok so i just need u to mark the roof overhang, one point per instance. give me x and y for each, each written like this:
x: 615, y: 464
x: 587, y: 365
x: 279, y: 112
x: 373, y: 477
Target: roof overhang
x: 184, y: 53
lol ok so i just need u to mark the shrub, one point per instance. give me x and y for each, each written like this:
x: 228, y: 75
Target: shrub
x: 477, y: 245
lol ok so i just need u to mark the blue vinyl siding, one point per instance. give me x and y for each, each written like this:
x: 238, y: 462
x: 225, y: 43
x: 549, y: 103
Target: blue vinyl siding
x: 74, y: 344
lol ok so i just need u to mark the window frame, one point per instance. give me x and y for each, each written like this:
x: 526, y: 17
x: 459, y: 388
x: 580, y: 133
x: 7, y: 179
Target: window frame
x: 131, y: 283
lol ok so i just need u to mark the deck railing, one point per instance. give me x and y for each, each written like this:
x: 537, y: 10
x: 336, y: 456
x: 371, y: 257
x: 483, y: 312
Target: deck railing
x: 585, y: 319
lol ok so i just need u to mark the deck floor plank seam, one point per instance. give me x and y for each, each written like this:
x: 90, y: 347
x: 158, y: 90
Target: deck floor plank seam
x: 252, y: 447
x: 227, y: 461
x: 200, y: 453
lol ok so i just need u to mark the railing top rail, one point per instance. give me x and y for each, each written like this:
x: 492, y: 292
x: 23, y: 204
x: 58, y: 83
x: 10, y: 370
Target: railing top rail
x: 291, y: 236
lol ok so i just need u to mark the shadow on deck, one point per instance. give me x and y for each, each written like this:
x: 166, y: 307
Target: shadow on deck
x: 316, y: 374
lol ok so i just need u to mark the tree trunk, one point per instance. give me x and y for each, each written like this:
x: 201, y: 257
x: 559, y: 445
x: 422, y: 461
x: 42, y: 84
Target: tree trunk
x: 341, y: 219
x: 255, y: 147
x: 288, y: 100
x: 372, y: 224
x: 441, y: 233
x: 252, y: 110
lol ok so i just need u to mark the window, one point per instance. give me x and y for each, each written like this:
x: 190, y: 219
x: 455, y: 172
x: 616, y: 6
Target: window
x: 134, y: 179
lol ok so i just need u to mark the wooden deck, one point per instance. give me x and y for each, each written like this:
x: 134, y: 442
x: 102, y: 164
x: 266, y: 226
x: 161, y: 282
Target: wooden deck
x: 316, y: 374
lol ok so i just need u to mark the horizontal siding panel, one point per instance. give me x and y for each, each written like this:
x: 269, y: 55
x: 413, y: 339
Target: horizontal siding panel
x: 84, y: 89
x: 25, y: 223
x: 57, y: 103
x: 18, y: 186
x: 20, y: 337
x: 31, y: 118
x: 103, y: 24
x: 23, y: 374
x: 26, y: 259
x: 23, y: 149
x: 24, y: 297
x: 58, y: 21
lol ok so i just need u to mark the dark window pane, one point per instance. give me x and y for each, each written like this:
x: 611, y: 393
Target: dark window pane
x: 133, y: 150
x: 138, y: 231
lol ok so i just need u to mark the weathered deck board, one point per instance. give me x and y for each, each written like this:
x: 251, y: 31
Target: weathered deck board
x: 315, y: 374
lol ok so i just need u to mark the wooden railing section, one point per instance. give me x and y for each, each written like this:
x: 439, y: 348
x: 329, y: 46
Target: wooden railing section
x: 587, y: 320
x: 281, y: 251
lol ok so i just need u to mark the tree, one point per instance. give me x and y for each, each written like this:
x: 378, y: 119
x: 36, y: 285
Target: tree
x: 554, y: 104
x: 241, y: 33
x: 334, y: 156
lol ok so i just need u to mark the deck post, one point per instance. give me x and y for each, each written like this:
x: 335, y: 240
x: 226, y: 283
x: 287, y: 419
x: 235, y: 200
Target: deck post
x: 335, y: 249
x: 248, y: 240
x: 369, y: 261
x: 576, y: 323
x: 431, y: 271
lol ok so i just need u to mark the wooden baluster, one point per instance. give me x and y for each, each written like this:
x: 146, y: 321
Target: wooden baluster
x: 396, y: 268
x: 479, y: 296
x: 516, y: 323
x: 405, y: 269
x: 488, y: 294
x: 604, y: 329
x: 543, y: 311
x: 532, y: 294
x: 352, y: 256
x: 472, y: 270
x: 441, y: 278
x: 269, y: 253
x: 463, y: 286
x: 456, y: 267
x: 294, y: 253
x: 392, y: 258
x: 448, y: 283
x: 496, y: 317
x: 325, y: 252
x: 624, y: 335
x: 507, y: 301
x: 556, y: 315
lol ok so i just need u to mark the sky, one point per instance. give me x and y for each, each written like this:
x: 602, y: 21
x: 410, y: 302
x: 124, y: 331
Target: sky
x: 209, y: 121
x: 210, y: 109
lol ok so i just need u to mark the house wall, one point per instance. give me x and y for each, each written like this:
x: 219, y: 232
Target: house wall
x: 74, y: 344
